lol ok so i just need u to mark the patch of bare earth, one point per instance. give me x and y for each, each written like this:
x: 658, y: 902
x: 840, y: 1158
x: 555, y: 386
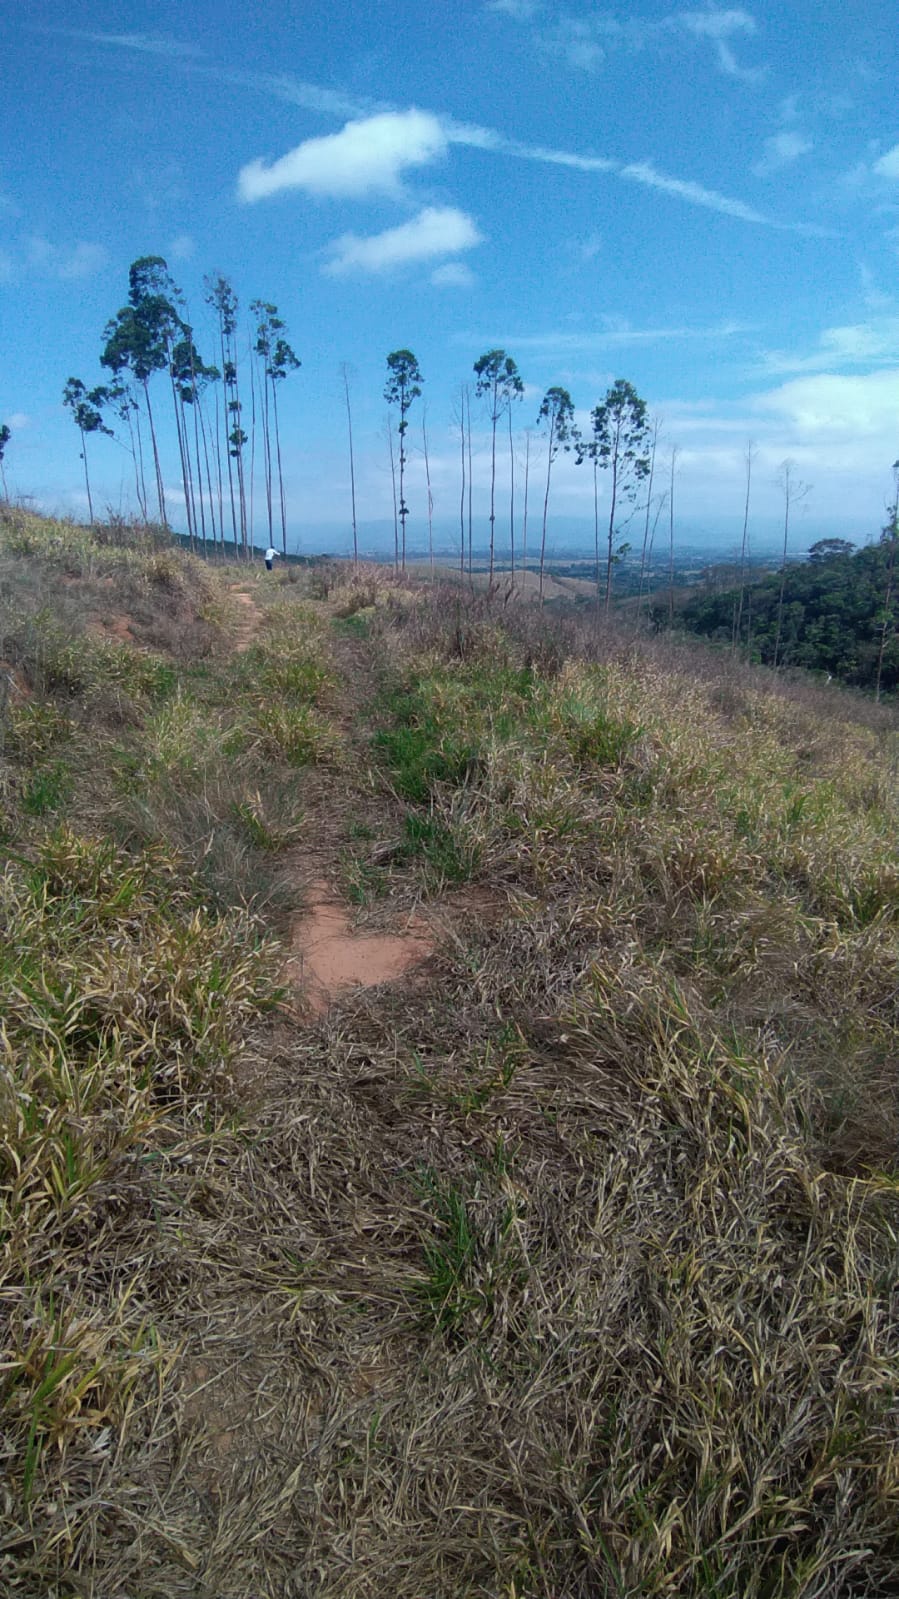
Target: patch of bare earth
x: 329, y: 957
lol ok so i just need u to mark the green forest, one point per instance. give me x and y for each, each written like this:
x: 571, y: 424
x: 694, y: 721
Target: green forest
x: 834, y: 613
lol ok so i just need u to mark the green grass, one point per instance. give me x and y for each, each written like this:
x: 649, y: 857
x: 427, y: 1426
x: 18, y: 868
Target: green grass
x: 564, y: 1266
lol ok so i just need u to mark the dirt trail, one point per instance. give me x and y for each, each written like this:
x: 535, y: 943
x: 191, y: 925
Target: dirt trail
x: 329, y: 957
x: 246, y: 623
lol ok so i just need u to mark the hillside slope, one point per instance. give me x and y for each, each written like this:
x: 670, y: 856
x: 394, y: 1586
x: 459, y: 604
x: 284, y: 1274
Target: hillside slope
x: 563, y: 1263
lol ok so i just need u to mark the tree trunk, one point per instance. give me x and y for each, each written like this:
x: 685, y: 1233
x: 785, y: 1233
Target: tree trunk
x: 492, y: 490
x: 283, y: 502
x: 87, y: 483
x: 671, y: 540
x: 612, y: 510
x: 396, y: 528
x: 652, y: 468
x: 163, y: 517
x: 524, y: 525
x: 462, y: 495
x: 424, y: 439
x: 470, y: 519
x: 549, y: 467
x: 744, y: 549
x: 349, y: 423
x: 511, y: 499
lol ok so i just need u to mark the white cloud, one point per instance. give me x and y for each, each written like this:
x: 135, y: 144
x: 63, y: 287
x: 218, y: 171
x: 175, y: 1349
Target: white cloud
x: 17, y: 421
x: 615, y: 335
x: 521, y: 10
x: 888, y: 165
x: 366, y: 157
x: 720, y: 27
x: 437, y: 230
x: 829, y: 408
x: 873, y: 343
x: 40, y: 257
x: 82, y: 262
x: 144, y: 43
x: 780, y: 151
x: 182, y: 247
x: 453, y: 275
x: 573, y: 40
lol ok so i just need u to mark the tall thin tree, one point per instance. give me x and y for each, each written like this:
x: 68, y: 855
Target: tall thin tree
x: 620, y: 443
x: 85, y: 406
x: 655, y: 429
x: 499, y: 383
x: 524, y: 524
x: 557, y: 414
x: 344, y: 372
x: 749, y: 458
x: 793, y: 491
x: 396, y: 519
x: 462, y: 492
x: 674, y: 454
x: 403, y: 386
x: 424, y: 442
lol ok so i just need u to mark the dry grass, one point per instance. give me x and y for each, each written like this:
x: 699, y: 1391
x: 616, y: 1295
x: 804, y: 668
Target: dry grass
x: 570, y: 1269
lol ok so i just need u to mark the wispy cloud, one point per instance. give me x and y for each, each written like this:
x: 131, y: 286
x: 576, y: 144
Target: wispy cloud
x: 37, y: 256
x: 583, y: 42
x: 365, y: 157
x: 181, y: 248
x: 262, y: 178
x: 145, y: 43
x: 721, y: 27
x: 436, y: 231
x: 781, y: 150
x: 871, y: 344
x: 615, y: 336
x: 888, y: 165
x: 453, y: 275
x: 521, y: 10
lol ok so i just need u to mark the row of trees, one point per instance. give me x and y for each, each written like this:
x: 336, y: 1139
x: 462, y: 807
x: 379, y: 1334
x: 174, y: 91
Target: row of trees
x: 622, y: 440
x: 151, y: 336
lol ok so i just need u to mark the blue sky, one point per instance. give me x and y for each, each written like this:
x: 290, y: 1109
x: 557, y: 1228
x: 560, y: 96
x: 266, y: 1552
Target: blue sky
x: 703, y: 200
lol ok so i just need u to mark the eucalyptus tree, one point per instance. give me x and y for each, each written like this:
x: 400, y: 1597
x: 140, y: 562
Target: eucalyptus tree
x: 221, y: 297
x: 127, y: 409
x: 655, y: 429
x: 619, y: 443
x: 557, y: 415
x: 278, y: 359
x: 87, y: 414
x: 498, y: 383
x: 5, y: 436
x: 424, y: 442
x: 191, y: 377
x: 403, y: 386
x: 793, y: 492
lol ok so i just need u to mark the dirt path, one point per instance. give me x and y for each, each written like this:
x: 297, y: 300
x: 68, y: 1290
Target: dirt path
x: 247, y: 622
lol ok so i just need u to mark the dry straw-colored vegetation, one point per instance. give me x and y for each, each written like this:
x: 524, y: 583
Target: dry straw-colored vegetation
x: 566, y: 1268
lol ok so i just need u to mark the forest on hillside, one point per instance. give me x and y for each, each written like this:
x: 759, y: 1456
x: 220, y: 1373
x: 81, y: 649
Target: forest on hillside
x: 834, y: 613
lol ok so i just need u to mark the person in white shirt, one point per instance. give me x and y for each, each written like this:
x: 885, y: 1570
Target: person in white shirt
x: 271, y: 556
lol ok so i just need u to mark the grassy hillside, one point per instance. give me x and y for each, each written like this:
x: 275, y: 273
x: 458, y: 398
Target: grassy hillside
x: 564, y: 1265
